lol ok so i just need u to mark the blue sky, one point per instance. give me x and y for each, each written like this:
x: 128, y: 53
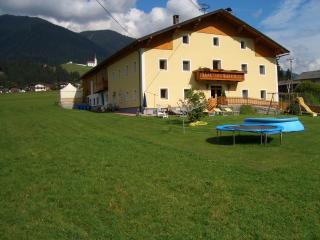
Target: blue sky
x: 293, y: 23
x: 250, y: 11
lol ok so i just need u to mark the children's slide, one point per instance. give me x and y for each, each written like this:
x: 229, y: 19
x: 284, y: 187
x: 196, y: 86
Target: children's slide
x: 305, y: 106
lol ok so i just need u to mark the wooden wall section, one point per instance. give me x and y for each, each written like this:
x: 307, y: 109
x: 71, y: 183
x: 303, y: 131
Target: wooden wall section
x: 263, y: 51
x: 163, y: 42
x: 220, y: 26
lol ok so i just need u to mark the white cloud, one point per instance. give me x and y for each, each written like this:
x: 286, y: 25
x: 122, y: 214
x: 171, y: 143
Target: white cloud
x: 295, y: 24
x: 81, y: 15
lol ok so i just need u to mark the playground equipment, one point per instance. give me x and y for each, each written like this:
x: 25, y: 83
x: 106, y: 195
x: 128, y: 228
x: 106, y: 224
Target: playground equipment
x: 263, y: 130
x: 301, y: 103
x: 289, y: 124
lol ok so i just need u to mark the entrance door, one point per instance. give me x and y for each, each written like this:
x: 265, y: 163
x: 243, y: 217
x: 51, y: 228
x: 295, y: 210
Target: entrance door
x: 216, y: 91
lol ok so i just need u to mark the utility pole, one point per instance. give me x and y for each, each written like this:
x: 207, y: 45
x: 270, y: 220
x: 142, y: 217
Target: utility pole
x: 290, y: 59
x: 291, y: 83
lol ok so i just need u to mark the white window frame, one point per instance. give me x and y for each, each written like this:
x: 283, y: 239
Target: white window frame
x: 265, y: 94
x: 165, y: 99
x: 265, y: 70
x: 216, y: 60
x: 218, y: 41
x: 185, y: 35
x: 245, y: 44
x: 188, y: 60
x: 247, y: 67
x: 247, y: 93
x: 166, y: 59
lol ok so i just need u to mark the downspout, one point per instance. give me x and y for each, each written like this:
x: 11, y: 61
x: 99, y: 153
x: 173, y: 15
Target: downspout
x: 140, y: 89
x: 141, y: 77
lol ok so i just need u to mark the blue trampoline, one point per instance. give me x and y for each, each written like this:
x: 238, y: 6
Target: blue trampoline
x: 262, y: 129
x: 289, y: 124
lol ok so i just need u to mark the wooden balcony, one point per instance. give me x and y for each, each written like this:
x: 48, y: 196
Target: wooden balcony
x: 205, y: 74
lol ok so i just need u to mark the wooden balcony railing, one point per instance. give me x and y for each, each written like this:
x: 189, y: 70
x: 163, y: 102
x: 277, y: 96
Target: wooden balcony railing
x: 205, y: 74
x: 241, y: 101
x: 249, y: 101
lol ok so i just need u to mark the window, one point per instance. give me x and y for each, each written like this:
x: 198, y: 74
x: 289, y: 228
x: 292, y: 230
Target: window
x: 119, y: 74
x: 164, y: 93
x: 244, y: 68
x: 262, y: 70
x: 97, y: 100
x: 163, y: 64
x: 216, y: 64
x: 127, y: 70
x: 126, y: 97
x: 186, y: 65
x: 185, y: 93
x: 245, y: 93
x: 243, y: 44
x: 216, y: 41
x: 135, y: 67
x: 113, y: 76
x: 185, y: 39
x: 263, y: 94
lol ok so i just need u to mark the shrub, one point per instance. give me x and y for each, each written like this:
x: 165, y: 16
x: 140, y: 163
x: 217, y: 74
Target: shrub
x: 294, y: 109
x: 195, y: 103
x: 247, y: 109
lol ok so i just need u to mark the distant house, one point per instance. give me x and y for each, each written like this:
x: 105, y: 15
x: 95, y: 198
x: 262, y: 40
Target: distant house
x: 313, y: 76
x: 14, y: 90
x: 93, y: 63
x: 40, y: 88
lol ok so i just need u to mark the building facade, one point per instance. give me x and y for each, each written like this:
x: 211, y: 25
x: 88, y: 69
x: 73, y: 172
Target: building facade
x: 216, y: 53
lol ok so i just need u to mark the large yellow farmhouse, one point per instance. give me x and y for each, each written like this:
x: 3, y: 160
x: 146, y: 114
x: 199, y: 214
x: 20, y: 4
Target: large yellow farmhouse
x: 216, y: 53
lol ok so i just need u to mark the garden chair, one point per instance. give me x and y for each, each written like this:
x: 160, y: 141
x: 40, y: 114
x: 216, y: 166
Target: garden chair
x: 161, y: 113
x: 218, y: 111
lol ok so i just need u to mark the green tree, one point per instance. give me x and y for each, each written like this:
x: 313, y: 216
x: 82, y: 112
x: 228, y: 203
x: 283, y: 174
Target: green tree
x: 196, y: 103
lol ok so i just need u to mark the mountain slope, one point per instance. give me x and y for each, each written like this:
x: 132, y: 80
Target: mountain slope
x: 110, y: 41
x: 41, y: 41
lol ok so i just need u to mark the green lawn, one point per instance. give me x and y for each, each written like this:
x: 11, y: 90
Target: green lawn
x: 76, y: 68
x: 68, y: 174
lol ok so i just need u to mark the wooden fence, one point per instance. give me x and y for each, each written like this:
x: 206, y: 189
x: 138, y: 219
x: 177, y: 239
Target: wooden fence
x: 245, y: 101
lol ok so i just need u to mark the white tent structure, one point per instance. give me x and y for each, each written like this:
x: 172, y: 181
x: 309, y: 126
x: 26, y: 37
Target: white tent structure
x: 69, y: 95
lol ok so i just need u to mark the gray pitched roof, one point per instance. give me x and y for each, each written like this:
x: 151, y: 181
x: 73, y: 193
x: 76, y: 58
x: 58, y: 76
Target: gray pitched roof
x: 309, y: 75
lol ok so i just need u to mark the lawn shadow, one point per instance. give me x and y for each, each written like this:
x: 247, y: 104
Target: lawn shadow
x: 240, y: 139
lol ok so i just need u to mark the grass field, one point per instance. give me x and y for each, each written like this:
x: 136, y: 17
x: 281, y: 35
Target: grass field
x: 76, y: 68
x: 68, y: 174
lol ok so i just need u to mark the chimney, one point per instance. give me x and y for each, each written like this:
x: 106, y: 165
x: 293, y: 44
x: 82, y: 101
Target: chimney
x: 175, y: 19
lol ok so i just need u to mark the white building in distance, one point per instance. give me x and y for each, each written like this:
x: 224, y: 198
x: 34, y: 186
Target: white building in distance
x: 40, y: 88
x: 93, y: 63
